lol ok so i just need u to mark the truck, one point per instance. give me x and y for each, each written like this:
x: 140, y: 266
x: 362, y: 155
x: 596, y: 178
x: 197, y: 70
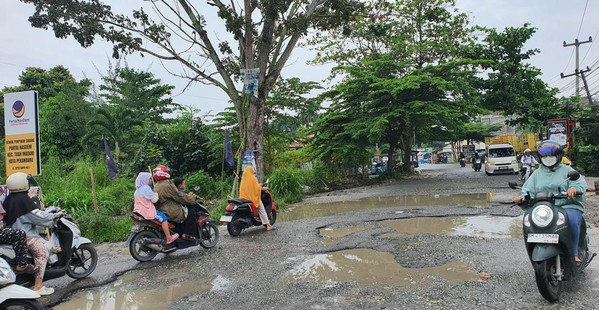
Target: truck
x: 519, y: 142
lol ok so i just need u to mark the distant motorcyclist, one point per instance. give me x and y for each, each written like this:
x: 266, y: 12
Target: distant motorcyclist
x: 528, y: 161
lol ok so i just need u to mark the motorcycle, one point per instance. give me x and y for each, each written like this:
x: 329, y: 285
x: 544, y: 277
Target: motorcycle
x: 147, y: 239
x: 527, y: 173
x: 548, y: 242
x: 70, y: 254
x: 477, y: 164
x: 242, y: 213
x: 462, y: 162
x: 13, y: 296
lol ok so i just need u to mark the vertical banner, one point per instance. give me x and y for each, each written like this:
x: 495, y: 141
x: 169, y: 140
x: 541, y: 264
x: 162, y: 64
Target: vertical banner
x: 22, y: 143
x: 112, y: 169
x: 557, y: 130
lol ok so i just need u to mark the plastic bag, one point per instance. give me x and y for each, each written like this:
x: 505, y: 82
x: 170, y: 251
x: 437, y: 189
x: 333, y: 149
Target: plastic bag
x: 53, y: 246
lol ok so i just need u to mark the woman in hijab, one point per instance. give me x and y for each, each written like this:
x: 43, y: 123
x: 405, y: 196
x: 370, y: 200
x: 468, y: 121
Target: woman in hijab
x: 22, y: 213
x: 144, y: 199
x: 251, y: 190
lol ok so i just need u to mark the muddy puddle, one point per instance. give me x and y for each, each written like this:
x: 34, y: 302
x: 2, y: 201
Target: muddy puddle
x: 368, y: 267
x: 143, y: 289
x: 326, y: 209
x: 482, y: 226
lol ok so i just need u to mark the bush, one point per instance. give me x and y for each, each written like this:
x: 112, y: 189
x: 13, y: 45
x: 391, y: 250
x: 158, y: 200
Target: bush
x: 287, y: 185
x: 210, y: 188
x: 586, y: 159
x: 104, y: 228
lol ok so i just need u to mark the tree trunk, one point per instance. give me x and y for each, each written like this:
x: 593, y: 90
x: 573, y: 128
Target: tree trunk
x: 256, y: 133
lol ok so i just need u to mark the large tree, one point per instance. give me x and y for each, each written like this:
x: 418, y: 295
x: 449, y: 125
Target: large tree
x: 405, y: 73
x: 261, y: 34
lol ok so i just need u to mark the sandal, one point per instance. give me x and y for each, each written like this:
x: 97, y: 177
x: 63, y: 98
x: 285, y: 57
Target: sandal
x: 44, y: 291
x: 25, y: 268
x: 172, y: 239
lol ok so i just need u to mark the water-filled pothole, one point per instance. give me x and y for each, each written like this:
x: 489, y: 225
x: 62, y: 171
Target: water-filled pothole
x: 473, y: 226
x: 326, y: 209
x: 143, y: 289
x: 375, y: 268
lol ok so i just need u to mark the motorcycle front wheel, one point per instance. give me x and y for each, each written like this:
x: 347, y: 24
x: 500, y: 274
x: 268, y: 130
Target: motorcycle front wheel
x: 83, y: 261
x: 273, y: 217
x: 549, y: 286
x: 208, y: 235
x: 22, y: 304
x: 138, y: 250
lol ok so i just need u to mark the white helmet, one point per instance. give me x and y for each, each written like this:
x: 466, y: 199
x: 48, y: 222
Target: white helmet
x: 17, y: 182
x: 527, y: 151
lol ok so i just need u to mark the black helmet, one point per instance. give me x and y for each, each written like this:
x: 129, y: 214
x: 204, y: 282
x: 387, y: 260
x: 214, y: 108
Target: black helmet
x: 550, y: 153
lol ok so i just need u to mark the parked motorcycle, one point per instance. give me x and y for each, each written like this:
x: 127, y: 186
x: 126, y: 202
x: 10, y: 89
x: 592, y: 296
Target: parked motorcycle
x: 13, y: 296
x: 477, y: 164
x: 242, y: 213
x: 71, y: 254
x: 147, y: 239
x: 548, y: 242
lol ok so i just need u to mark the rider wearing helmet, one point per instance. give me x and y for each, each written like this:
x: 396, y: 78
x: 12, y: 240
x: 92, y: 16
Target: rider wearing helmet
x: 22, y: 213
x: 172, y: 202
x: 528, y: 161
x: 550, y: 178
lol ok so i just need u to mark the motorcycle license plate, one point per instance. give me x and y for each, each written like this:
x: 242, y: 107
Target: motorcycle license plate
x: 226, y: 218
x: 543, y: 238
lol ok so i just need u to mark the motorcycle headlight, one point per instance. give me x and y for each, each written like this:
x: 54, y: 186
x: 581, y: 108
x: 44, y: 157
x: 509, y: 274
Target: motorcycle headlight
x: 542, y: 216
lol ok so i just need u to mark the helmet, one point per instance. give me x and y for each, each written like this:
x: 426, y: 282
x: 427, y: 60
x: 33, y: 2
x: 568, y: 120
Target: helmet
x: 527, y: 151
x: 17, y: 182
x: 550, y: 152
x: 161, y: 172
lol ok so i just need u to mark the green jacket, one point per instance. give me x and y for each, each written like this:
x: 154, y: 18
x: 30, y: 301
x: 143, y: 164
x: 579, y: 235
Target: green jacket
x: 547, y: 180
x: 171, y: 201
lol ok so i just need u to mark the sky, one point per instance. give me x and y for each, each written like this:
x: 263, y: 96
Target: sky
x: 556, y: 21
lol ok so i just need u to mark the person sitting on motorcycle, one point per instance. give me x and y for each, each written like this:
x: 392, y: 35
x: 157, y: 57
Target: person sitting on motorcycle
x: 250, y: 189
x: 549, y: 178
x: 144, y: 199
x: 174, y: 203
x: 528, y: 161
x: 22, y: 213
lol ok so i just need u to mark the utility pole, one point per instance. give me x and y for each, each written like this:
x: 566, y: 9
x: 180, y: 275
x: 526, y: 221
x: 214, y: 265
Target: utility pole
x: 584, y: 80
x: 577, y: 44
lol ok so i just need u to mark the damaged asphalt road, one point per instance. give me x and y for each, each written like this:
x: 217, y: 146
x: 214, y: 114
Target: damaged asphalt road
x: 446, y: 239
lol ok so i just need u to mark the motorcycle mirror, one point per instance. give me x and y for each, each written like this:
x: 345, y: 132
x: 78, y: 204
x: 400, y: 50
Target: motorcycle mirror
x: 573, y: 175
x: 513, y: 184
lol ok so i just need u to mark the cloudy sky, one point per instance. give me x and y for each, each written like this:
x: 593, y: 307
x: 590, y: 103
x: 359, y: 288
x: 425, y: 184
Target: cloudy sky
x: 556, y: 20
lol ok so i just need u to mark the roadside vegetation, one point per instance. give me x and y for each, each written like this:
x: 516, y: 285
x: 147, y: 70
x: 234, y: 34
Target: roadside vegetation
x: 409, y: 73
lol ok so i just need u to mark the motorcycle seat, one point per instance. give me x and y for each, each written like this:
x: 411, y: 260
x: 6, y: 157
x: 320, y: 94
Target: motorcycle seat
x: 239, y: 200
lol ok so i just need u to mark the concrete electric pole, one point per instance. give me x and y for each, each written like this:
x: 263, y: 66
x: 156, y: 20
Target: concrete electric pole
x: 577, y: 44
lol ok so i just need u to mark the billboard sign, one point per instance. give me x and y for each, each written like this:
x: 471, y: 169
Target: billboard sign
x: 21, y: 123
x: 557, y: 130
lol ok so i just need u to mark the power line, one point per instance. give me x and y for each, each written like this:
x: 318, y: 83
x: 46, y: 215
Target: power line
x: 582, y: 19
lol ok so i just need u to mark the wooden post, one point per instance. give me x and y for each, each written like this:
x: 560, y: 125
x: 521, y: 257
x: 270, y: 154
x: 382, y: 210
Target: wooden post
x: 91, y: 173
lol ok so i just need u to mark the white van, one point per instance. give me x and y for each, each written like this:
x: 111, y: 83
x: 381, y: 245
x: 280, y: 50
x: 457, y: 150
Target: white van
x: 501, y: 158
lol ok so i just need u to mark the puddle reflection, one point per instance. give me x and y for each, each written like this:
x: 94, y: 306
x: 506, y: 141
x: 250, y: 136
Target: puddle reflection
x: 141, y: 290
x: 474, y: 226
x: 342, y: 232
x: 370, y: 267
x: 326, y: 209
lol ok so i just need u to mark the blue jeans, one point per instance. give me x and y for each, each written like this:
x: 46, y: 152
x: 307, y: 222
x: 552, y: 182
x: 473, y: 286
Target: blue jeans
x: 574, y: 221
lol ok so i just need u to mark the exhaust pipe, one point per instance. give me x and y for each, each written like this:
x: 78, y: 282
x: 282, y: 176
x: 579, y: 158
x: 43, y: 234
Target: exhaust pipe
x: 155, y: 247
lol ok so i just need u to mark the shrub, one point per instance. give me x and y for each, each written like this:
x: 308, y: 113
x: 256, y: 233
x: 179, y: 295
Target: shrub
x: 287, y: 185
x: 209, y: 187
x: 586, y: 159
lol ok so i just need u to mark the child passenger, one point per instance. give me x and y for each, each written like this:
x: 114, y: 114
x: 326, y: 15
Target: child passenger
x: 144, y: 199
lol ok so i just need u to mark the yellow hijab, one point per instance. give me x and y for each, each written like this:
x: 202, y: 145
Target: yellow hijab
x: 249, y: 187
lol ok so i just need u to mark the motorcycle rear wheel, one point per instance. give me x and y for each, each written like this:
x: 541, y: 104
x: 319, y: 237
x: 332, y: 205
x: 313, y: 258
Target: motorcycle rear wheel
x: 23, y: 304
x: 83, y: 261
x: 209, y: 235
x: 139, y: 251
x: 549, y: 287
x: 233, y: 227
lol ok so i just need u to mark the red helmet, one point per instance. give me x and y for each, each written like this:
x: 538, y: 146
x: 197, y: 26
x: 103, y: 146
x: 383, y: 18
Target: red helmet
x: 161, y: 173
